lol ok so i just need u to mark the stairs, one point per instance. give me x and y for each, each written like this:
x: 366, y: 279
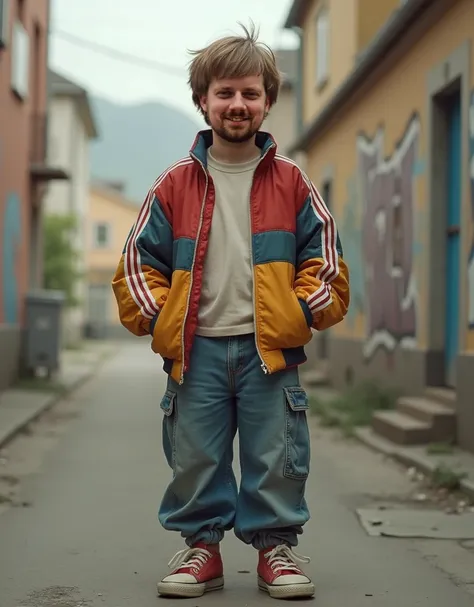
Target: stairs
x: 419, y: 420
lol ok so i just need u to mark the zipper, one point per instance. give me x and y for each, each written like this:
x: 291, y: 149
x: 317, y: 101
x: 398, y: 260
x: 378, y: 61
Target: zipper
x: 262, y: 365
x: 254, y: 298
x: 203, y: 204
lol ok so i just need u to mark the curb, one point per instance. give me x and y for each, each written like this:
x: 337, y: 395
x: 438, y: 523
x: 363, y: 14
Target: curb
x: 406, y: 457
x: 43, y: 407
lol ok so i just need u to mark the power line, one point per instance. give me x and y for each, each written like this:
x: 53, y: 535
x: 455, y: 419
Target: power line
x: 120, y: 55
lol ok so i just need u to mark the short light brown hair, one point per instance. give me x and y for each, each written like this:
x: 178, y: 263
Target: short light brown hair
x: 234, y: 57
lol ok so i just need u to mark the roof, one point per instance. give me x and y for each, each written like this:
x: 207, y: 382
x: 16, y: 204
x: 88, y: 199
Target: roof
x: 387, y: 39
x: 296, y: 14
x: 287, y: 61
x: 63, y: 87
x: 113, y: 192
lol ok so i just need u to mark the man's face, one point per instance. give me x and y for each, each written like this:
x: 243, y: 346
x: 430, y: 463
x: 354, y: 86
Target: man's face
x: 236, y: 107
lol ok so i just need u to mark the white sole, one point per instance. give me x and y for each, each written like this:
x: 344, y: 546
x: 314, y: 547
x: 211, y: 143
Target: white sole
x: 288, y: 591
x: 180, y: 590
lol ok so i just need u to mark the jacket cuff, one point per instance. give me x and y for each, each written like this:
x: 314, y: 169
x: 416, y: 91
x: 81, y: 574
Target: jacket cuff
x: 153, y: 323
x: 307, y: 312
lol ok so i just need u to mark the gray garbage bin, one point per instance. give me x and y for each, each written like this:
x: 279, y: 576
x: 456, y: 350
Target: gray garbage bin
x: 43, y: 330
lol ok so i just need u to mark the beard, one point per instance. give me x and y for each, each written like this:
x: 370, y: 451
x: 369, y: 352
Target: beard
x: 237, y: 132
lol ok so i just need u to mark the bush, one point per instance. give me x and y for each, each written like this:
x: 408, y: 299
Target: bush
x: 60, y: 270
x: 355, y: 406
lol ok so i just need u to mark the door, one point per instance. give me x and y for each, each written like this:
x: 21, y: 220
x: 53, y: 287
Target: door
x: 453, y: 237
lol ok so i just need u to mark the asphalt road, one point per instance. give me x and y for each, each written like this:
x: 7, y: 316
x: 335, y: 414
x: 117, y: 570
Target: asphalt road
x: 91, y: 536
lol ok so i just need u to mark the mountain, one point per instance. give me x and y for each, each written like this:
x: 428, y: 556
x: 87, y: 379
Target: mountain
x: 138, y: 142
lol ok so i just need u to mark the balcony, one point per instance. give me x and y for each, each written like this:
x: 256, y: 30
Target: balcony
x: 40, y: 168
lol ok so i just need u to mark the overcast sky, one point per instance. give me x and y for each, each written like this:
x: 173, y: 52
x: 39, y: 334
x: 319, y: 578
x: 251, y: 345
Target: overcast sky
x: 158, y: 30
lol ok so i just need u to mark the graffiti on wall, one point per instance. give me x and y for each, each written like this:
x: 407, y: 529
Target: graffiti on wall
x: 10, y: 257
x: 351, y: 236
x: 471, y: 175
x: 388, y: 236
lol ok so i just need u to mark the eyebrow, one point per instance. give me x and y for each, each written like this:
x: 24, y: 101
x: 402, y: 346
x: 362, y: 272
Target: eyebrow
x: 249, y: 89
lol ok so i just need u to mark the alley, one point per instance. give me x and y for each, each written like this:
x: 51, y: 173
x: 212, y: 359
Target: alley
x: 91, y: 536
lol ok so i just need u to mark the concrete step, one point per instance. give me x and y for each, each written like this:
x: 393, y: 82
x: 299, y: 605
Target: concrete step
x: 315, y: 378
x: 400, y: 428
x: 445, y: 396
x: 442, y: 419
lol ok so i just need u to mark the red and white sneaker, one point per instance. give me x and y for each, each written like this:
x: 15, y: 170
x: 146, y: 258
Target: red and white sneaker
x: 195, y: 571
x: 280, y: 576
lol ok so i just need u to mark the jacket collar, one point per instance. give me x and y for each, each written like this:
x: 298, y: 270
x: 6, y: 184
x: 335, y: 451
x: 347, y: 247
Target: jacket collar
x: 203, y: 141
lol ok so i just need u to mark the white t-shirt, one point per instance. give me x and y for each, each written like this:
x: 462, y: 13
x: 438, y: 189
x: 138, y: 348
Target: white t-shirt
x: 226, y: 305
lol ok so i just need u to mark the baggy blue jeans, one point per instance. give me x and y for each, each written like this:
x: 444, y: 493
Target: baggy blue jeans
x: 224, y: 391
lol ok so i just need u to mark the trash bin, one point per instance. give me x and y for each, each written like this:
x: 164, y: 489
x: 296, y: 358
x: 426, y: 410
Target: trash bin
x: 43, y: 330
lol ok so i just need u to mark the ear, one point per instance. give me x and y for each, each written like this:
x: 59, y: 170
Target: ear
x: 203, y: 102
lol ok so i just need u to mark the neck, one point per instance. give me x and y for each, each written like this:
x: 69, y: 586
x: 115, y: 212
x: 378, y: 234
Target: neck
x: 233, y: 153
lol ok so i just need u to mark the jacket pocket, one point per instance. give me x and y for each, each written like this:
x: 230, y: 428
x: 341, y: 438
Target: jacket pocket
x: 302, y: 321
x: 167, y: 334
x: 307, y: 312
x: 170, y: 420
x: 297, y: 439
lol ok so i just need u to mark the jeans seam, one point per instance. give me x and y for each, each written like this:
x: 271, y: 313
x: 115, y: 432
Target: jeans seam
x: 240, y: 362
x: 230, y: 372
x: 228, y: 471
x: 174, y: 433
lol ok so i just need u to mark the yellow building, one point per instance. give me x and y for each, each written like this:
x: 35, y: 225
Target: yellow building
x: 110, y: 218
x: 386, y: 108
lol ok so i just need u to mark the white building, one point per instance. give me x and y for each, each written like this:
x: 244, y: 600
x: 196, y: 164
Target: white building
x: 71, y: 127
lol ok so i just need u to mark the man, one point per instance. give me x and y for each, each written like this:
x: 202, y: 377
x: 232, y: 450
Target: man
x: 233, y: 259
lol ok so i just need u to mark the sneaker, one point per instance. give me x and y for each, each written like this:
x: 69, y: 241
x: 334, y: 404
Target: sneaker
x: 280, y: 576
x: 195, y: 571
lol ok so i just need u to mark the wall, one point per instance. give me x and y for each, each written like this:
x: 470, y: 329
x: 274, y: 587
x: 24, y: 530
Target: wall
x: 341, y: 54
x: 60, y: 153
x: 377, y: 150
x: 371, y: 16
x: 69, y: 149
x: 281, y: 122
x: 353, y: 25
x: 109, y: 207
x: 471, y: 253
x: 16, y: 128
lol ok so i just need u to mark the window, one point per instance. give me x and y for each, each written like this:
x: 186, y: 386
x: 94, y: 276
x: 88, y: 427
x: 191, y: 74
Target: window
x: 20, y: 60
x: 101, y: 235
x: 327, y: 194
x: 322, y: 47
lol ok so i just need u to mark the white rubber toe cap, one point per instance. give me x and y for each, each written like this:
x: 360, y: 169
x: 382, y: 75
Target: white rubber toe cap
x: 180, y: 578
x: 289, y: 580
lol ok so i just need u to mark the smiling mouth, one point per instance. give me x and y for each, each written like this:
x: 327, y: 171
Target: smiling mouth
x: 237, y: 119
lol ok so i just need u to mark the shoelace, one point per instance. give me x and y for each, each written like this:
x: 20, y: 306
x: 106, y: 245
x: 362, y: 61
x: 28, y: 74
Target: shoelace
x: 283, y: 558
x: 189, y: 557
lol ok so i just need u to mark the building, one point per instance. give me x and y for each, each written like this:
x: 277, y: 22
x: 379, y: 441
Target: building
x: 72, y: 126
x: 110, y: 218
x: 25, y: 171
x: 282, y: 124
x: 281, y: 121
x: 387, y: 125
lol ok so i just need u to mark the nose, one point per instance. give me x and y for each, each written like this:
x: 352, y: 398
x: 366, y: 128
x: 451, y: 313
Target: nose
x: 238, y: 102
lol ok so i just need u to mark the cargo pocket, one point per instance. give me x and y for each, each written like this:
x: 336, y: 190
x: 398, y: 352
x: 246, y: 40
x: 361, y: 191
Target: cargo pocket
x: 298, y: 449
x: 169, y: 407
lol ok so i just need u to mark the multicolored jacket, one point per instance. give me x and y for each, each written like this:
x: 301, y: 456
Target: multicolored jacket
x: 300, y: 278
